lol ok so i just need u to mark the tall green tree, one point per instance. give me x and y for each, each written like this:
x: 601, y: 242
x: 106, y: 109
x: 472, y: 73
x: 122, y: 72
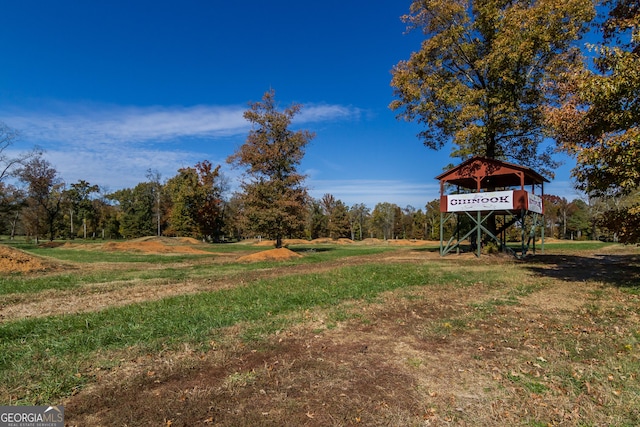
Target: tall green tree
x: 316, y: 221
x: 183, y: 193
x: 480, y: 77
x: 196, y: 202
x: 136, y: 206
x: 337, y: 216
x: 383, y: 218
x: 578, y: 221
x: 328, y: 203
x: 106, y: 221
x: 80, y: 205
x: 432, y: 220
x: 358, y: 216
x: 418, y: 225
x: 407, y: 215
x: 274, y: 196
x: 339, y: 226
x: 233, y: 220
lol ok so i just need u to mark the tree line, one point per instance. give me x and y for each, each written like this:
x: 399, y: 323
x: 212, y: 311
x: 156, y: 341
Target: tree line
x: 194, y: 203
x: 492, y: 78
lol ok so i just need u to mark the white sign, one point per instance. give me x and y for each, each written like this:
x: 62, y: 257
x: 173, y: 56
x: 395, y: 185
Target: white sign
x: 535, y: 203
x: 494, y: 200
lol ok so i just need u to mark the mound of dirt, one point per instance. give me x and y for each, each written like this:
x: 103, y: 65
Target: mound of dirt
x: 318, y: 241
x: 322, y: 240
x: 189, y: 240
x: 168, y: 240
x: 281, y: 254
x: 345, y: 241
x: 14, y: 261
x: 372, y: 241
x: 296, y: 242
x: 152, y: 246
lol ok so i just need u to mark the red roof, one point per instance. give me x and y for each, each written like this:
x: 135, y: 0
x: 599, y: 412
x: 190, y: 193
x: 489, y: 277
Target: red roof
x: 483, y: 173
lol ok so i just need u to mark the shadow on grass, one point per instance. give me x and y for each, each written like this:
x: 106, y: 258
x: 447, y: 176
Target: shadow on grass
x: 616, y: 270
x: 304, y: 249
x: 431, y: 249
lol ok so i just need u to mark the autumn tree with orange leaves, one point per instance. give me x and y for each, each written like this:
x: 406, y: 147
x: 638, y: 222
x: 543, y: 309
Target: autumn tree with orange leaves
x: 274, y: 197
x: 480, y: 78
x: 598, y: 118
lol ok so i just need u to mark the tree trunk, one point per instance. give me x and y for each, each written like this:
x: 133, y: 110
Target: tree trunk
x: 13, y: 226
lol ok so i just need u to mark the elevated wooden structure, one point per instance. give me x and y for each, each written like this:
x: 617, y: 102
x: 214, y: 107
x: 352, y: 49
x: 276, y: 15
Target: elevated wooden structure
x: 481, y: 190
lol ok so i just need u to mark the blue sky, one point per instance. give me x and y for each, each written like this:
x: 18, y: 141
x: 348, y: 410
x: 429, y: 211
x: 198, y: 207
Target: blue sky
x: 111, y: 89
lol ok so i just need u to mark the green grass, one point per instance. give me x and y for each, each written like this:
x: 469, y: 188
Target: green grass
x: 20, y: 284
x: 528, y: 383
x: 575, y: 245
x: 85, y: 256
x: 53, y: 350
x: 43, y: 360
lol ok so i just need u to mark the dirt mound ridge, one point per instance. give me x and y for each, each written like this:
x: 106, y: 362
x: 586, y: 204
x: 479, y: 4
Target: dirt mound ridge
x: 281, y: 254
x: 15, y: 261
x: 151, y: 246
x: 168, y: 240
x: 318, y: 241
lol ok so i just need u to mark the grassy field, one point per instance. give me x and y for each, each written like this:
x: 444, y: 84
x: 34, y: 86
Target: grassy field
x: 344, y: 335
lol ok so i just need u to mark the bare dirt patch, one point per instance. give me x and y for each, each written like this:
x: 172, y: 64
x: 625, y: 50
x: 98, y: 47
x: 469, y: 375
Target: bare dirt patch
x: 144, y: 245
x: 15, y: 261
x: 379, y: 371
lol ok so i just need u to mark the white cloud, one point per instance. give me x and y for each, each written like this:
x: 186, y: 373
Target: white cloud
x: 322, y: 113
x: 114, y: 146
x: 69, y: 124
x: 78, y: 123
